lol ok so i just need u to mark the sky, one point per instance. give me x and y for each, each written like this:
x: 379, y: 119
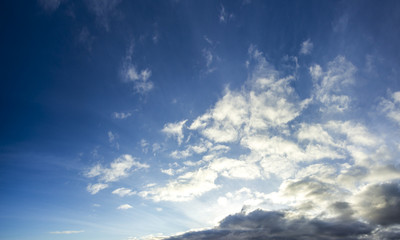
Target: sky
x: 174, y: 119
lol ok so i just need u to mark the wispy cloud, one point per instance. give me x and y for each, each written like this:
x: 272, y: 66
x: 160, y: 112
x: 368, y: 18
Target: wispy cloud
x: 103, y: 10
x: 67, y: 232
x: 306, y: 47
x: 119, y: 168
x: 224, y: 16
x: 140, y: 79
x: 175, y: 130
x: 330, y: 85
x: 50, y: 5
x: 391, y: 106
x: 95, y: 188
x: 121, y: 115
x: 122, y: 192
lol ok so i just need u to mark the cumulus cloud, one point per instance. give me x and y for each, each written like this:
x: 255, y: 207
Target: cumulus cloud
x: 336, y: 177
x: 306, y: 47
x: 124, y: 207
x: 67, y: 232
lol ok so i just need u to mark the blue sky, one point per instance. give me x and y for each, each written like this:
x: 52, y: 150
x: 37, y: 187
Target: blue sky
x: 199, y: 119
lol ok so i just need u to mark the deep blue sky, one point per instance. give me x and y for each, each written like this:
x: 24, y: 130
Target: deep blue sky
x: 87, y: 85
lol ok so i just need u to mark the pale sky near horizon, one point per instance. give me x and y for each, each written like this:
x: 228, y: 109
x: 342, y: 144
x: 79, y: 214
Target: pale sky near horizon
x: 125, y: 120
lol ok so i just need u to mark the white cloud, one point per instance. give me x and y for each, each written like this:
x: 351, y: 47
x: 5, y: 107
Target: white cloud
x: 175, y: 130
x: 356, y: 133
x: 140, y: 79
x: 306, y: 47
x: 121, y: 115
x: 119, y: 168
x: 330, y: 86
x: 95, y: 188
x: 122, y: 192
x: 391, y: 107
x: 67, y: 232
x: 124, y: 207
x: 232, y: 168
x: 185, y: 187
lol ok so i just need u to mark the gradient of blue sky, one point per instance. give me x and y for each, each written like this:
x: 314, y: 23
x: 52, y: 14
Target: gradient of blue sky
x: 124, y: 119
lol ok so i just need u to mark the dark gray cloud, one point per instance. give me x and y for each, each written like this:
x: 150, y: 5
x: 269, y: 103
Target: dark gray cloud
x: 277, y: 225
x: 380, y: 203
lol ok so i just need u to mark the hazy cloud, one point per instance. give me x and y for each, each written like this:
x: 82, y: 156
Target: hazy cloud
x: 306, y: 47
x: 67, y: 232
x: 50, y: 5
x: 121, y: 115
x: 103, y: 10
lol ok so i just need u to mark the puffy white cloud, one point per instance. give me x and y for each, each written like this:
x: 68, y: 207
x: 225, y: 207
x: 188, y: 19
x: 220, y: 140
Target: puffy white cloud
x: 95, y: 188
x: 122, y: 192
x: 124, y: 207
x: 306, y: 47
x: 175, y: 130
x: 119, y: 168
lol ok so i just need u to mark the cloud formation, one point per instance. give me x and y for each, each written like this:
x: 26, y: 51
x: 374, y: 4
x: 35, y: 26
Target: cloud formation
x: 338, y: 179
x: 279, y: 225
